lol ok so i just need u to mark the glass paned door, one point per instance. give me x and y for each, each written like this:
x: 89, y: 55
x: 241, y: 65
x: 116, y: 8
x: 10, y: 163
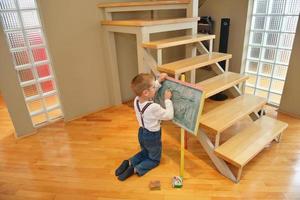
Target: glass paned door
x: 273, y: 27
x: 21, y: 24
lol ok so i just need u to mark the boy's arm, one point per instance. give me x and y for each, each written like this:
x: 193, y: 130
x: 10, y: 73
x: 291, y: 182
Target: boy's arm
x: 157, y: 85
x: 164, y: 114
x: 160, y: 79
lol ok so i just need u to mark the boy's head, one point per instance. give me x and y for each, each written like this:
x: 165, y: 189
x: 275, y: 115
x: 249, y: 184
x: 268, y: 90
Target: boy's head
x: 143, y: 85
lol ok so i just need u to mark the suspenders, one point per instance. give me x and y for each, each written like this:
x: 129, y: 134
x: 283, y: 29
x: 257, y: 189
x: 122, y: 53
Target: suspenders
x: 142, y: 111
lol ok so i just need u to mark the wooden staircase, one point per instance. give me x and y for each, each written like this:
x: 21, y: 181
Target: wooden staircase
x: 239, y: 149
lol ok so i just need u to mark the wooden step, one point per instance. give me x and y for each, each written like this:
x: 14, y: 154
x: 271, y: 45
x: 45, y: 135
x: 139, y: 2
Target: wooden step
x: 139, y: 23
x: 141, y: 3
x: 185, y: 65
x: 241, y: 148
x: 176, y: 41
x: 218, y: 119
x: 221, y: 82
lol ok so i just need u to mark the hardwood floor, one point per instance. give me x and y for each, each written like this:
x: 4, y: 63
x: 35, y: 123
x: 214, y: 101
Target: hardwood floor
x: 77, y: 160
x: 6, y: 126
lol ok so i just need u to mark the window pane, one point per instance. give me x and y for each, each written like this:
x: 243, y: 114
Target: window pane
x: 43, y: 71
x: 272, y: 39
x: 38, y: 119
x: 35, y: 37
x: 256, y: 37
x: 260, y: 7
x: 266, y: 69
x: 290, y: 24
x: 39, y: 54
x: 277, y: 6
x: 249, y: 90
x: 258, y: 23
x: 16, y: 39
x: 26, y: 4
x: 55, y: 113
x: 254, y: 52
x: 252, y: 66
x: 280, y: 71
x: 252, y: 80
x: 292, y: 7
x: 30, y: 90
x: 274, y: 98
x: 10, y: 20
x: 261, y: 93
x: 274, y: 23
x: 269, y: 54
x: 263, y: 83
x: 35, y: 105
x: 272, y: 32
x: 277, y: 86
x: 20, y: 22
x: 51, y: 101
x: 7, y: 4
x: 21, y: 57
x: 47, y: 86
x: 25, y: 75
x: 30, y: 19
x: 286, y: 40
x: 283, y: 57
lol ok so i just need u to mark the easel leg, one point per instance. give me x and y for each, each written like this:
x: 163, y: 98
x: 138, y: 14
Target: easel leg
x: 182, y: 78
x: 182, y: 152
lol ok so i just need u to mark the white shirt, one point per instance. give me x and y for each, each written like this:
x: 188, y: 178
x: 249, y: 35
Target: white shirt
x: 154, y: 113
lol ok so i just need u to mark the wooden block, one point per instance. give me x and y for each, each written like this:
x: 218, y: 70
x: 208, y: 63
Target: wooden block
x: 154, y: 185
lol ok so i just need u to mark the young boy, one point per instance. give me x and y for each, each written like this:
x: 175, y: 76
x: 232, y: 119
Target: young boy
x: 148, y: 115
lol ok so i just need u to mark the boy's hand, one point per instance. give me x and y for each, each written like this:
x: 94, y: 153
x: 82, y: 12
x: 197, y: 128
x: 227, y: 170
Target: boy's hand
x: 168, y: 94
x: 162, y: 77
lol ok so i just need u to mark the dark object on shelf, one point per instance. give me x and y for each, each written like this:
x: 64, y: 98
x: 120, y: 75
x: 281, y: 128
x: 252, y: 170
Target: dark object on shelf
x: 224, y: 35
x: 219, y: 97
x: 205, y: 25
x: 263, y: 112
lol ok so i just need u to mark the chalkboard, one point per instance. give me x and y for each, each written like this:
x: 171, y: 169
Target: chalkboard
x: 187, y: 102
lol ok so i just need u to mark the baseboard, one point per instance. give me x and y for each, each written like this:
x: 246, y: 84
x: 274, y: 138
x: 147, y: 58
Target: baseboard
x: 288, y: 113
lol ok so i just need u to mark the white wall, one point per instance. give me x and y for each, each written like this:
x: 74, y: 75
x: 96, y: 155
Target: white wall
x: 290, y: 101
x: 12, y: 93
x: 74, y: 37
x: 236, y: 10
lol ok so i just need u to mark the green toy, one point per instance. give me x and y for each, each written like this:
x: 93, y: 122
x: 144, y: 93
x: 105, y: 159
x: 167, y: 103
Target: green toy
x: 177, y: 182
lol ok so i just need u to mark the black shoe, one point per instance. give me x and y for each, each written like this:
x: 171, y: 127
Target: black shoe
x: 128, y: 172
x: 122, y: 168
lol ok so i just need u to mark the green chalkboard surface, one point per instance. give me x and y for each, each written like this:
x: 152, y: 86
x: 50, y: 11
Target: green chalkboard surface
x: 187, y: 101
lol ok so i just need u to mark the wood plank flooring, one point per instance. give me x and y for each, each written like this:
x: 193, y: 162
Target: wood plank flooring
x: 6, y: 126
x: 76, y: 161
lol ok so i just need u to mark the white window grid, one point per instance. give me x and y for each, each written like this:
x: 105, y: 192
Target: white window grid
x: 32, y: 65
x: 262, y: 48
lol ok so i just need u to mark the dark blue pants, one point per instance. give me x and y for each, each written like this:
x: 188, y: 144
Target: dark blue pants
x: 150, y: 154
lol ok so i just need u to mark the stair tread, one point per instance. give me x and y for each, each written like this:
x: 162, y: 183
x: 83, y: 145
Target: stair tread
x: 142, y: 3
x: 221, y: 82
x: 225, y: 115
x: 139, y: 22
x: 241, y: 148
x: 196, y: 62
x: 176, y: 41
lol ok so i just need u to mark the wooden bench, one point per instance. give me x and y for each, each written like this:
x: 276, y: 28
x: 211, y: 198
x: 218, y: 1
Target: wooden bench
x: 221, y: 82
x: 188, y: 64
x: 176, y: 41
x: 244, y: 146
x: 141, y: 23
x: 222, y: 117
